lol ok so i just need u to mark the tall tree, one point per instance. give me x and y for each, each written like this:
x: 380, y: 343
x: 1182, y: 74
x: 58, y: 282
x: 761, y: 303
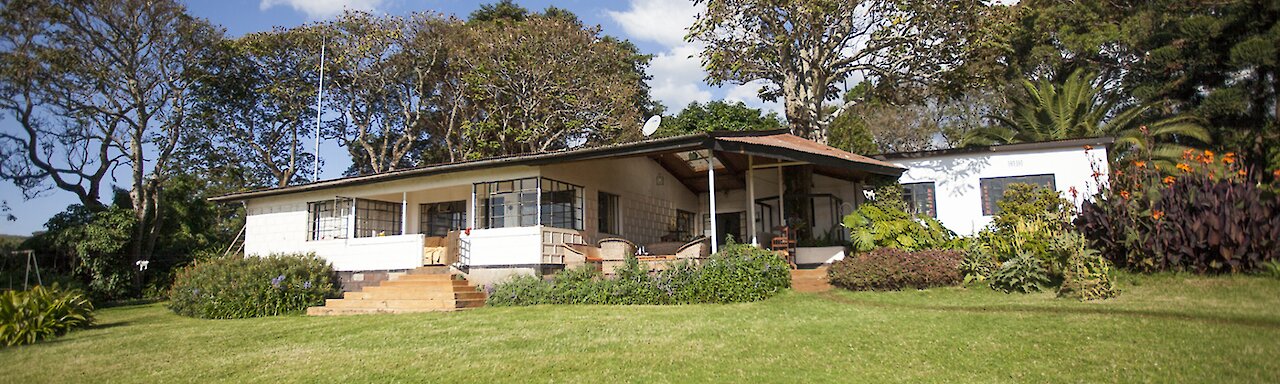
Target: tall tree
x: 257, y: 98
x: 804, y: 49
x: 718, y: 116
x: 113, y: 71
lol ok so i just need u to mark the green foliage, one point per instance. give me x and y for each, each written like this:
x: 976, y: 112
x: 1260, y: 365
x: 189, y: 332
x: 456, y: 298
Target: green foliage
x: 1086, y: 274
x: 895, y: 269
x: 41, y: 313
x: 1022, y: 273
x: 241, y: 287
x: 1029, y: 220
x: 718, y: 116
x: 738, y: 273
x: 885, y: 223
x: 95, y: 244
x: 979, y: 261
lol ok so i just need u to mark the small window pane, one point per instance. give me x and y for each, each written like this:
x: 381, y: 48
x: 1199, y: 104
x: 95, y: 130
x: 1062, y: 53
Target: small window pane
x: 993, y: 189
x: 920, y: 198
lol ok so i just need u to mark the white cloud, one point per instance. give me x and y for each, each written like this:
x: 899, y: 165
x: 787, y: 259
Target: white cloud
x: 661, y: 21
x: 321, y: 9
x: 749, y: 94
x: 677, y: 78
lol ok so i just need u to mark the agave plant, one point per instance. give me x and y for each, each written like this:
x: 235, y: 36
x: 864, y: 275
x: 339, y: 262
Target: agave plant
x: 41, y: 313
x: 1079, y: 108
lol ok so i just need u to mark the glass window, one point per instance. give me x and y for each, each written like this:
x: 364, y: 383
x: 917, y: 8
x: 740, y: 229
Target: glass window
x: 993, y: 189
x: 609, y: 213
x: 514, y: 203
x: 437, y: 219
x: 328, y: 219
x: 684, y: 224
x: 562, y: 205
x: 920, y: 198
x: 377, y: 218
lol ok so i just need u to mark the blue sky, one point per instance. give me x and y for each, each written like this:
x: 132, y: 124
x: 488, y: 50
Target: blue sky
x: 655, y: 26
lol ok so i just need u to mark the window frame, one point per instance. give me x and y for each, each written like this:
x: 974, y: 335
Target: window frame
x: 608, y: 213
x: 928, y: 191
x: 374, y: 216
x: 532, y: 201
x: 457, y: 217
x: 987, y: 184
x: 339, y: 219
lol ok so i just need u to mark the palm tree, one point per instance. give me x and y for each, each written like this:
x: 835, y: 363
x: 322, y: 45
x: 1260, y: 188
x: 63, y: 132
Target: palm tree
x: 1077, y: 108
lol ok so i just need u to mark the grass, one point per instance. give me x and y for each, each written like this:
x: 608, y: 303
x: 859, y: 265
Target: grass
x: 1162, y: 328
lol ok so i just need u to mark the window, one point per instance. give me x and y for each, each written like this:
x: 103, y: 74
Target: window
x: 993, y: 189
x: 514, y: 203
x: 920, y: 198
x: 609, y: 213
x: 437, y: 219
x: 562, y: 205
x: 328, y: 219
x: 511, y: 203
x: 378, y: 218
x: 684, y: 224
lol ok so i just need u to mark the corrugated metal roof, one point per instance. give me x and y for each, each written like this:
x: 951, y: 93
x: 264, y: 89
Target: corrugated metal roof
x: 777, y: 139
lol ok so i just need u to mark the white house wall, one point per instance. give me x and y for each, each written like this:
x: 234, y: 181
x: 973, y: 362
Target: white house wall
x: 278, y: 224
x: 648, y: 194
x: 957, y: 186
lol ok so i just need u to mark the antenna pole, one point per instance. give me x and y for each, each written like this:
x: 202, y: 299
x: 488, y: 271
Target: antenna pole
x: 319, y: 96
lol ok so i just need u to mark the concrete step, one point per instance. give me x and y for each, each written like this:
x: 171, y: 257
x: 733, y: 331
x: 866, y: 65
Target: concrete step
x: 412, y: 294
x: 391, y: 304
x: 426, y: 277
x: 423, y: 283
x: 328, y: 311
x: 454, y: 288
x: 431, y: 270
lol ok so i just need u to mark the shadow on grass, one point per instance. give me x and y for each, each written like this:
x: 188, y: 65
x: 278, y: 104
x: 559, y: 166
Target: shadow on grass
x: 110, y: 325
x: 1034, y: 309
x: 126, y: 303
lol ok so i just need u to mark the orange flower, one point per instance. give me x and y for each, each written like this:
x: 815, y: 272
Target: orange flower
x: 1124, y: 194
x: 1169, y: 179
x: 1242, y: 173
x: 1088, y: 147
x: 1276, y: 173
x: 1140, y: 164
x: 1229, y: 158
x: 1187, y: 153
x: 1157, y: 215
x: 1184, y: 167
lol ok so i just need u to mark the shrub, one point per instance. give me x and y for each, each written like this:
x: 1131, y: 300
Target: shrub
x: 738, y: 273
x: 1031, y: 217
x: 1022, y: 273
x: 41, y: 313
x: 1204, y: 216
x: 894, y: 269
x: 240, y: 287
x: 885, y: 223
x: 979, y: 262
x: 1086, y: 275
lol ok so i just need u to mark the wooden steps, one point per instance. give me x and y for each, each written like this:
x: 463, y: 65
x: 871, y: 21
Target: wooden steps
x: 810, y: 280
x: 424, y: 289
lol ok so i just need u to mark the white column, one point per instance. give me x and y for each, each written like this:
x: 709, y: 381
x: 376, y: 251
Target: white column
x: 751, y: 200
x: 537, y: 211
x: 782, y: 211
x: 472, y: 215
x: 404, y: 213
x: 711, y: 196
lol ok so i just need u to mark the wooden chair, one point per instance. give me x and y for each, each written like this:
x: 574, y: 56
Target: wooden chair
x: 785, y: 243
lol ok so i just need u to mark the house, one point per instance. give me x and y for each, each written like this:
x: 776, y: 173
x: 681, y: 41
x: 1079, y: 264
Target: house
x: 497, y: 217
x: 960, y: 186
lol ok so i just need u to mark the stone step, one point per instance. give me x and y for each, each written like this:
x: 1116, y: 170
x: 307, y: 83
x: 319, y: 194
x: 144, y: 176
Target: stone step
x: 328, y: 311
x: 391, y: 304
x: 426, y: 277
x: 431, y: 270
x: 423, y: 283
x: 412, y: 294
x: 454, y: 288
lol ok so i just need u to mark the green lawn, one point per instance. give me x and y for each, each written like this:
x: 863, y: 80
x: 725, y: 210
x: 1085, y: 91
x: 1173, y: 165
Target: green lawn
x: 1164, y: 328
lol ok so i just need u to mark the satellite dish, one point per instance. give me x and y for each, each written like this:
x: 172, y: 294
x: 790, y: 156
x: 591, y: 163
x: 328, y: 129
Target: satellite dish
x: 651, y: 125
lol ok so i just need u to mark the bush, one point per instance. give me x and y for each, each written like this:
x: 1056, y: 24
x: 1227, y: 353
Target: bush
x: 1022, y: 273
x: 1086, y: 275
x: 1031, y: 217
x: 1205, y: 216
x: 979, y: 262
x: 738, y: 273
x: 241, y: 287
x: 41, y: 313
x: 894, y: 269
x: 885, y: 223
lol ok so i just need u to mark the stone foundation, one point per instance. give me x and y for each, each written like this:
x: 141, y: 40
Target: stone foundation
x: 356, y: 280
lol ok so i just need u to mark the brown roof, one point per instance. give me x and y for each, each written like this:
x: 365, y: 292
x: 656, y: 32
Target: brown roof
x: 777, y: 144
x: 787, y: 140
